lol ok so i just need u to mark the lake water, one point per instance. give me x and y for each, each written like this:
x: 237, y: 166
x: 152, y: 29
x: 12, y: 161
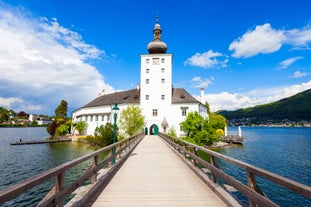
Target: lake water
x: 23, y: 161
x: 284, y: 151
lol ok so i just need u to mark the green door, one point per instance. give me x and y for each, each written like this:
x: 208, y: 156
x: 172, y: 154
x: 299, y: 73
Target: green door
x: 155, y: 129
x: 146, y: 130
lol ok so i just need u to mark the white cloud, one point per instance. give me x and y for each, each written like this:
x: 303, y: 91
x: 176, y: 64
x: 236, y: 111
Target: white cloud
x: 234, y: 101
x: 299, y: 38
x: 285, y: 63
x: 42, y: 63
x: 8, y: 102
x: 298, y: 74
x: 208, y: 59
x: 202, y: 83
x: 263, y: 39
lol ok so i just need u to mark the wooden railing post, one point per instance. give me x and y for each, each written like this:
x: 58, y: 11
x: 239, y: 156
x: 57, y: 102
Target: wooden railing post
x: 195, y: 151
x: 213, y: 175
x: 185, y: 153
x: 251, y: 182
x: 95, y: 163
x: 59, y: 185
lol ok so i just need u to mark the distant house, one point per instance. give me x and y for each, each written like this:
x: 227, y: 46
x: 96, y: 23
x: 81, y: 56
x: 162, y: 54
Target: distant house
x: 39, y: 119
x: 162, y: 105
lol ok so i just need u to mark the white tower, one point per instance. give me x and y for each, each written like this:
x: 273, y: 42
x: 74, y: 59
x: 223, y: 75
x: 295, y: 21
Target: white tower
x: 156, y: 83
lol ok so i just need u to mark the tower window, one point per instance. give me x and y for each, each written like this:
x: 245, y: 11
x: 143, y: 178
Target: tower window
x: 154, y: 112
x: 147, y: 81
x: 147, y: 70
x: 155, y: 61
x: 162, y: 80
x: 147, y: 61
x: 162, y: 70
x: 162, y: 60
x: 147, y: 97
x: 162, y: 97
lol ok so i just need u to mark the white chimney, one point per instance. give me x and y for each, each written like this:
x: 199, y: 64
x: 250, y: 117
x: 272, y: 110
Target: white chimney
x: 202, y: 95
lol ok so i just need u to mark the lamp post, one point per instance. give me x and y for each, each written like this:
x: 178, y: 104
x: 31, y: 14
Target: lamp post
x: 115, y: 115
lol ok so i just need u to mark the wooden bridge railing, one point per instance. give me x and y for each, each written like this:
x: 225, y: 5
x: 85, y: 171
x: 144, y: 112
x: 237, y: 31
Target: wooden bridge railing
x: 256, y: 197
x: 60, y: 192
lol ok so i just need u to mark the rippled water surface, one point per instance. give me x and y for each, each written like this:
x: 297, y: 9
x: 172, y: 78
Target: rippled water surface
x: 284, y: 151
x: 23, y: 161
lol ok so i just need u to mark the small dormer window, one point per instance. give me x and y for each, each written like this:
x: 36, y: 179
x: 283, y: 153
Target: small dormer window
x: 125, y: 97
x: 182, y: 96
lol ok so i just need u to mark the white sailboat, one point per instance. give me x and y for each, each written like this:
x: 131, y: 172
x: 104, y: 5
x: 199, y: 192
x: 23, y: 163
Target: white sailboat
x: 226, y: 131
x: 239, y: 132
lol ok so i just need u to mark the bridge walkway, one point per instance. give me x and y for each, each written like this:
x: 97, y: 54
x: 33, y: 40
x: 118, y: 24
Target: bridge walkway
x: 155, y: 176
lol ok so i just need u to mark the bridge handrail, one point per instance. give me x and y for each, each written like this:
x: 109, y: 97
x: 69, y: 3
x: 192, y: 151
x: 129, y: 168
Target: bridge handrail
x: 60, y: 192
x: 252, y: 191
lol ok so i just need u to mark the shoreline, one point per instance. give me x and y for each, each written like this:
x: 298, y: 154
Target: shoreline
x: 220, y: 144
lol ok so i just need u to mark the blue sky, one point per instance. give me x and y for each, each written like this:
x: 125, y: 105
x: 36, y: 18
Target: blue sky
x: 243, y: 53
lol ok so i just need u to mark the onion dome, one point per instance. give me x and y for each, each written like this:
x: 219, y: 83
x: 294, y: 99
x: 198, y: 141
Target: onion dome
x: 157, y: 45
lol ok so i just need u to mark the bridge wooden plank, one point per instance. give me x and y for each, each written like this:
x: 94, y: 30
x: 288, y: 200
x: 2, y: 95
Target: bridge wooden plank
x: 155, y: 176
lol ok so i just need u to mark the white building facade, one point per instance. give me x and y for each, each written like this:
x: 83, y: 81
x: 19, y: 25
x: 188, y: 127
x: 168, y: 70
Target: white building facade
x: 162, y: 105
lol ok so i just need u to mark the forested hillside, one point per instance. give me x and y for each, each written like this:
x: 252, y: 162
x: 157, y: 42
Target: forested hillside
x: 295, y: 108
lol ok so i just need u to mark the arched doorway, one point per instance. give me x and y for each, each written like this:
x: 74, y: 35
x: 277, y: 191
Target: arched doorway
x: 154, y: 129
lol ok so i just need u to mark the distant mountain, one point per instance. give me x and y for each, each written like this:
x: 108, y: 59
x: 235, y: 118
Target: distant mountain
x: 295, y: 108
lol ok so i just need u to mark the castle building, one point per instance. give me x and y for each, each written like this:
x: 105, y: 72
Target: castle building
x: 162, y: 105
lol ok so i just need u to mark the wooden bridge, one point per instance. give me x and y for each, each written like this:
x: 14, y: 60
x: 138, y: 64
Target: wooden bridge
x: 153, y: 171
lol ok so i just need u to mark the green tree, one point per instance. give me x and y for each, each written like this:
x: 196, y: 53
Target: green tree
x: 208, y: 108
x: 198, y: 129
x: 4, y: 115
x: 172, y: 132
x: 104, y: 135
x: 131, y: 120
x: 62, y: 129
x: 60, y: 125
x: 217, y: 121
x: 80, y: 126
x: 61, y: 110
